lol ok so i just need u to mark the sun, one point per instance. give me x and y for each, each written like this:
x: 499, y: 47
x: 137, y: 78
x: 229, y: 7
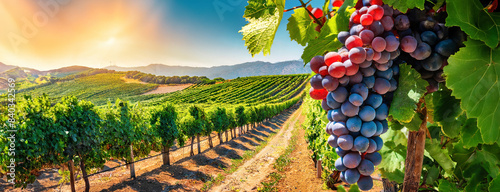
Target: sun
x: 110, y: 41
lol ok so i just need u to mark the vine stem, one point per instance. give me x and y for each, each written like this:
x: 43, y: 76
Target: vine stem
x: 415, y: 152
x: 296, y: 7
x: 310, y: 13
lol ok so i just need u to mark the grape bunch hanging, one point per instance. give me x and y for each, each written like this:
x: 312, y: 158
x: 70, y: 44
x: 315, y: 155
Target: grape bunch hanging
x: 357, y: 82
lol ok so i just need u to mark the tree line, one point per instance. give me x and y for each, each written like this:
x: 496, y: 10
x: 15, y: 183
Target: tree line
x: 75, y: 132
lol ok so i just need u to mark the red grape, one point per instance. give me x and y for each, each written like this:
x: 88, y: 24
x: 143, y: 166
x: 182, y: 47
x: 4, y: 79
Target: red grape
x: 353, y: 41
x: 408, y: 44
x: 332, y: 57
x: 376, y: 2
x: 337, y: 70
x: 355, y: 17
x: 351, y: 68
x: 376, y: 11
x: 357, y: 55
x: 318, y: 94
x: 366, y: 36
x: 366, y: 19
x: 337, y: 3
x: 323, y: 70
x: 317, y: 12
x: 378, y: 44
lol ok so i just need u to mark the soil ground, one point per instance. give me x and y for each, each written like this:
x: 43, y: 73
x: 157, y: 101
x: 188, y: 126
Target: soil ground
x: 160, y: 89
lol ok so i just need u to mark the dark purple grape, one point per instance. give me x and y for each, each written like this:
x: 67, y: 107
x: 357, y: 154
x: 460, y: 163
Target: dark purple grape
x: 392, y: 43
x: 422, y: 52
x: 369, y: 56
x: 340, y: 94
x: 384, y: 57
x: 374, y: 100
x: 356, y: 78
x: 316, y: 63
x: 375, y: 158
x: 382, y: 67
x: 369, y: 81
x: 367, y: 113
x: 351, y: 160
x: 330, y: 83
x: 360, y: 89
x: 387, y: 74
x: 342, y: 36
x: 332, y: 141
x: 355, y: 29
x: 339, y: 165
x: 387, y: 23
x: 394, y: 85
x: 351, y: 176
x: 357, y: 55
x: 324, y: 105
x: 433, y: 86
x: 341, y: 152
x: 339, y: 128
x: 316, y: 82
x: 366, y: 36
x: 441, y: 30
x: 349, y: 110
x: 361, y: 144
x: 429, y: 37
x: 369, y: 71
x: 366, y: 167
x: 408, y: 44
x: 353, y: 124
x: 446, y: 47
x: 377, y: 28
x: 379, y: 141
x: 344, y: 81
x: 337, y: 115
x: 368, y: 129
x: 381, y: 86
x: 345, y: 142
x: 331, y: 102
x: 382, y: 112
x: 356, y: 99
x: 388, y: 11
x: 372, y: 147
x: 395, y: 54
x: 405, y: 33
x: 433, y: 63
x: 365, y: 183
x: 395, y: 69
x: 378, y: 44
x: 401, y: 22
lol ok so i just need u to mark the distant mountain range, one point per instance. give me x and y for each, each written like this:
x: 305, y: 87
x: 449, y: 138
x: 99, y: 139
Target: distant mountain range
x: 257, y: 68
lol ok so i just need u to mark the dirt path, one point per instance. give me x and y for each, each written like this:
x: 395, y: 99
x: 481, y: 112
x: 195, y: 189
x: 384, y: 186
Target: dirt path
x: 252, y: 172
x: 167, y: 89
x: 300, y: 174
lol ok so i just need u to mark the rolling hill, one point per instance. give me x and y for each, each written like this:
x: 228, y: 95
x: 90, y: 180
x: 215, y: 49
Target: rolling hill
x: 257, y: 68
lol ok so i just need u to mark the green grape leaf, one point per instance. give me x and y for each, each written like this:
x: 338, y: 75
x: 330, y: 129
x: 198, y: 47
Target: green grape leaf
x: 259, y: 33
x: 410, y: 88
x: 259, y: 8
x: 473, y: 75
x: 445, y: 185
x: 470, y: 135
x: 393, y: 153
x: 354, y: 188
x: 495, y: 184
x: 440, y: 155
x: 474, y: 20
x: 489, y: 159
x: 414, y: 124
x: 327, y: 40
x: 301, y: 27
x: 404, y: 5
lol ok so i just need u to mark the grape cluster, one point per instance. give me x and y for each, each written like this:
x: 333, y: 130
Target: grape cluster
x: 355, y: 85
x: 433, y: 40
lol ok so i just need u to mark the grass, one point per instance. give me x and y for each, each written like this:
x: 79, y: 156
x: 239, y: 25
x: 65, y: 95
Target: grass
x: 281, y: 163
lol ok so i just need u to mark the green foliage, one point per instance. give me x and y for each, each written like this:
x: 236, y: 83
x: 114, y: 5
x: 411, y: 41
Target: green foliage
x: 410, y: 89
x: 264, y: 17
x: 404, y: 5
x: 241, y: 117
x: 219, y: 119
x: 301, y: 27
x: 118, y: 131
x: 81, y: 122
x: 164, y: 124
x: 474, y: 20
x: 473, y: 75
x: 327, y: 39
x: 158, y: 79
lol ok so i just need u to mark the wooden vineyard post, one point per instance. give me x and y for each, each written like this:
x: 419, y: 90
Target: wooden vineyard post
x: 71, y: 168
x: 165, y: 154
x: 132, y: 167
x: 415, y: 154
x: 319, y: 169
x: 389, y: 186
x: 198, y: 140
